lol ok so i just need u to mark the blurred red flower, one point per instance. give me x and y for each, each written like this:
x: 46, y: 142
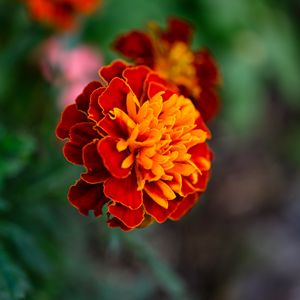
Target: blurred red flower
x: 143, y: 146
x: 60, y: 13
x: 169, y: 54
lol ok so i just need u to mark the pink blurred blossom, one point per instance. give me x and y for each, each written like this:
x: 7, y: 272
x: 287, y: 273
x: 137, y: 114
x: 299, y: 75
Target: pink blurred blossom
x: 69, y: 68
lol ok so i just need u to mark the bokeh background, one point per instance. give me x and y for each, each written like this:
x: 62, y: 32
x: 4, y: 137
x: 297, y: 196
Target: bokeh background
x: 242, y: 240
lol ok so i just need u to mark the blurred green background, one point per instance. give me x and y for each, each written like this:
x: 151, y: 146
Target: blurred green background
x: 242, y: 241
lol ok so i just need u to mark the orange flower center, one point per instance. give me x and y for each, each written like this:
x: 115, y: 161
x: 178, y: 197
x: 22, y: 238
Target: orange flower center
x: 176, y: 63
x: 160, y: 134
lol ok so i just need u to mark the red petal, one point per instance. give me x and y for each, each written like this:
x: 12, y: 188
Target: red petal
x: 155, y: 84
x: 202, y: 181
x: 86, y: 197
x: 178, y: 31
x: 96, y: 172
x: 95, y: 110
x: 206, y: 68
x: 137, y: 46
x: 136, y: 77
x: 201, y: 125
x: 73, y: 153
x: 70, y: 116
x: 114, y: 95
x: 199, y: 152
x: 116, y: 128
x: 207, y: 103
x: 131, y: 218
x: 80, y: 134
x: 155, y: 88
x: 124, y: 191
x: 113, y: 70
x: 184, y: 206
x: 187, y: 187
x: 112, y: 158
x: 83, y: 100
x: 114, y: 222
x: 159, y: 213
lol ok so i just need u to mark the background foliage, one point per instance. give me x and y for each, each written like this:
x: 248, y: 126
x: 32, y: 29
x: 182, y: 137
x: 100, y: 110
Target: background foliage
x: 240, y: 242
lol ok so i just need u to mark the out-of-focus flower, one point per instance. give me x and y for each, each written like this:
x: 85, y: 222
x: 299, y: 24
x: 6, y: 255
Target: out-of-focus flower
x: 169, y: 53
x: 69, y: 69
x: 60, y: 13
x: 143, y: 146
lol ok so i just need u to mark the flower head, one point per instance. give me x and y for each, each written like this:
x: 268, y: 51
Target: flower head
x: 169, y: 54
x: 143, y: 146
x: 60, y: 13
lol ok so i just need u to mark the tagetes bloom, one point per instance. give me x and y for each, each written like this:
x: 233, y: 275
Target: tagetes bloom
x: 143, y: 146
x: 168, y: 52
x: 60, y: 13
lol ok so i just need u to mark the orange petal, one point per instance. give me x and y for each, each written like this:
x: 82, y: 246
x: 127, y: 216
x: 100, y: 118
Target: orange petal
x: 160, y: 192
x: 159, y: 213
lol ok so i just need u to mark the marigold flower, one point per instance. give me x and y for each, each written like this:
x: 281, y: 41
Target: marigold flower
x: 60, y: 13
x: 143, y: 147
x: 169, y: 54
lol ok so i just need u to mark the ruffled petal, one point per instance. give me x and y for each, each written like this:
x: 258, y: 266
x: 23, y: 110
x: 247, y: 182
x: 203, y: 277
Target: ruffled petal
x: 115, y: 69
x: 155, y: 84
x: 159, y: 213
x: 137, y: 46
x: 187, y: 187
x: 178, y: 31
x: 155, y: 88
x: 112, y: 158
x: 96, y: 171
x: 159, y: 192
x: 86, y: 197
x: 116, y: 128
x: 206, y: 68
x: 70, y: 116
x: 202, y: 181
x: 184, y: 206
x: 201, y: 125
x: 135, y: 77
x: 114, y: 223
x: 95, y: 111
x: 83, y: 100
x: 124, y: 191
x: 207, y: 103
x: 80, y: 135
x: 201, y: 156
x: 130, y: 217
x: 114, y: 96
